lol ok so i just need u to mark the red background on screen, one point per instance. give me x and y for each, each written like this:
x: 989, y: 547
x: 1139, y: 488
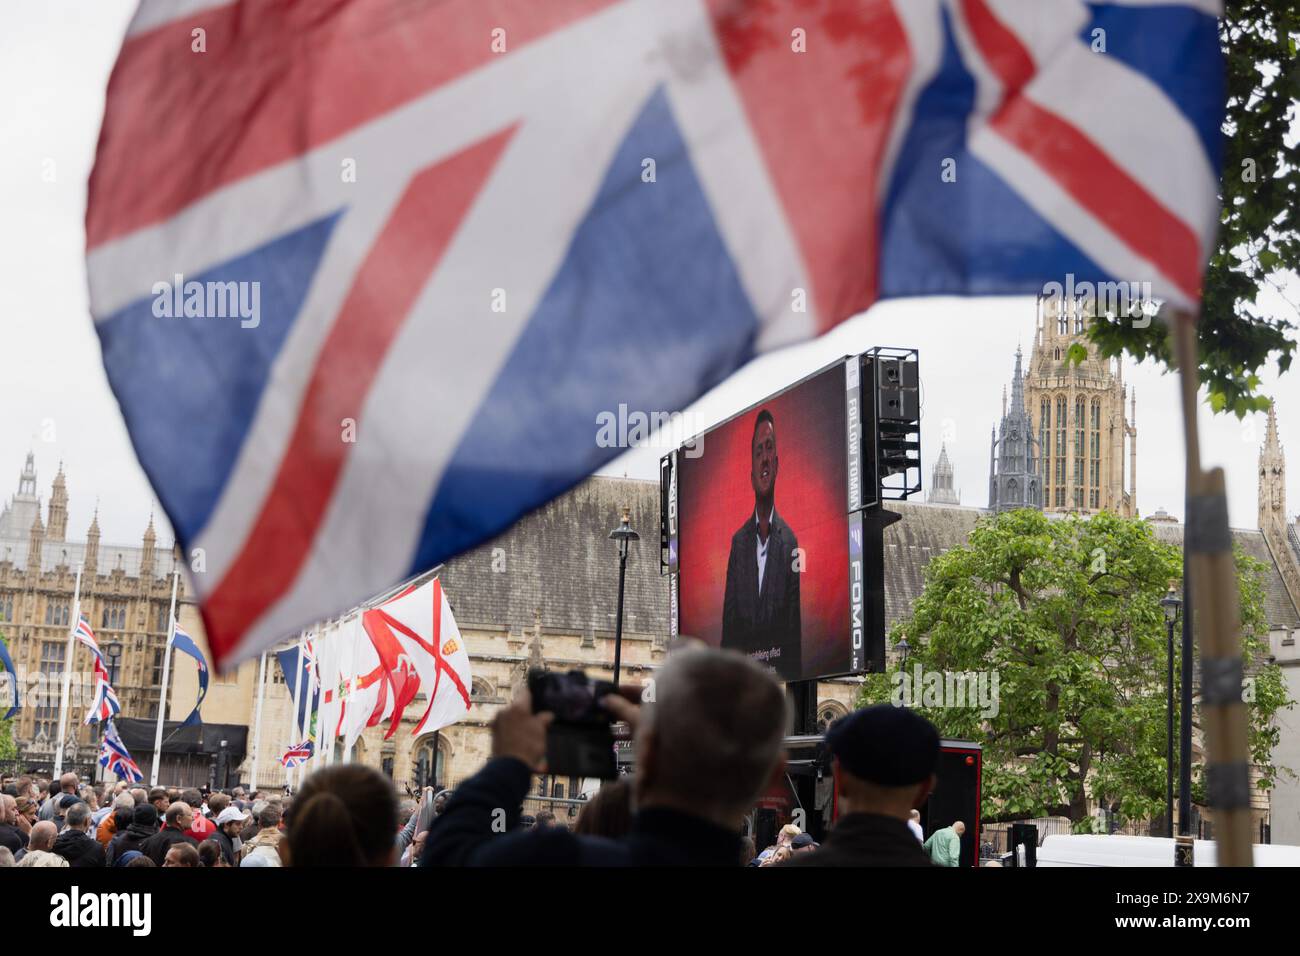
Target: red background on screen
x: 715, y: 498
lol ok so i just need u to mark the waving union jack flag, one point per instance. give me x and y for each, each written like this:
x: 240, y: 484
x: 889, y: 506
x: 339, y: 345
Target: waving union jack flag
x: 114, y: 757
x: 299, y: 755
x: 87, y: 638
x: 104, y: 703
x: 382, y: 264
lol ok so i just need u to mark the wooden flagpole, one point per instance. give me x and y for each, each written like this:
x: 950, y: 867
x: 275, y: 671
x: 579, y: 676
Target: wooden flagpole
x: 1212, y: 569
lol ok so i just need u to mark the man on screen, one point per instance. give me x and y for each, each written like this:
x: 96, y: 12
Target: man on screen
x: 760, y: 611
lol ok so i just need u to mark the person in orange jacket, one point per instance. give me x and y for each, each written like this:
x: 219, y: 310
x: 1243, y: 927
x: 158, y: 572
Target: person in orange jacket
x: 123, y: 805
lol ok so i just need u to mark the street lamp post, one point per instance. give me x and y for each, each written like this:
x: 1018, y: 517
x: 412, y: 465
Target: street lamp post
x: 1171, y: 604
x: 623, y: 534
x: 114, y: 650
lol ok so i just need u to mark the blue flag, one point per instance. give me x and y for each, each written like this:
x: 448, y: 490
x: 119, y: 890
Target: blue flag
x: 291, y: 664
x: 184, y: 643
x: 7, y: 667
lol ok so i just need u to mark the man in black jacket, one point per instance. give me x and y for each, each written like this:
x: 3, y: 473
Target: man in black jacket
x: 760, y: 606
x: 887, y: 757
x: 179, y: 819
x: 144, y: 824
x: 707, y: 746
x: 75, y: 843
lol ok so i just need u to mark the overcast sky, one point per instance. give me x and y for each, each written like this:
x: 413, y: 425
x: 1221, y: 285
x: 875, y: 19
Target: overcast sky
x: 55, y: 56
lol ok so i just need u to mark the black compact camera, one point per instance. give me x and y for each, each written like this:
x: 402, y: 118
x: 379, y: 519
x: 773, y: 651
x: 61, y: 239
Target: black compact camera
x: 579, y: 742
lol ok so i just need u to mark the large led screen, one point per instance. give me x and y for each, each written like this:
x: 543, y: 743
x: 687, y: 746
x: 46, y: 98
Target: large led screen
x: 763, y: 532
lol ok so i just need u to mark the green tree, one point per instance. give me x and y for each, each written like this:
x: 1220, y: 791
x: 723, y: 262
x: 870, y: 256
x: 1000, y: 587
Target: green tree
x: 1258, y: 244
x: 1066, y: 613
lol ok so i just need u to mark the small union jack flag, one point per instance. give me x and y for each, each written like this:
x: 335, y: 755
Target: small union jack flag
x: 114, y: 757
x: 104, y: 704
x: 299, y: 755
x: 87, y: 637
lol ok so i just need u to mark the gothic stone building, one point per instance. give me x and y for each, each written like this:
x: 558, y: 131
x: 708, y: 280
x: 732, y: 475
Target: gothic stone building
x: 1281, y: 539
x: 1076, y: 414
x: 1014, y: 481
x: 125, y: 594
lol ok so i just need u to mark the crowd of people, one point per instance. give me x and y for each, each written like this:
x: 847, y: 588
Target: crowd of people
x: 707, y: 748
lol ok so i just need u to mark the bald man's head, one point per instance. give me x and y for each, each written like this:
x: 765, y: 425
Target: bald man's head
x: 42, y: 837
x: 68, y: 783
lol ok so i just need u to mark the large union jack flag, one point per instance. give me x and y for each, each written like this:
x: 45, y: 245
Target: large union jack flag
x: 365, y: 272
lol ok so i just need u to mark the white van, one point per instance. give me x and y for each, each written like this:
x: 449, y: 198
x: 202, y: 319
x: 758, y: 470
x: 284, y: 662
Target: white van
x: 1098, y: 850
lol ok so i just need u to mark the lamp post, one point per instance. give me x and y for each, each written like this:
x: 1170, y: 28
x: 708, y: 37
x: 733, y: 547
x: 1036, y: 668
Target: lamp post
x: 623, y: 534
x: 1171, y: 605
x: 114, y: 651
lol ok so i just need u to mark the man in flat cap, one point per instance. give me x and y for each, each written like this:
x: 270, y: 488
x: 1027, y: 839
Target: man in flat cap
x: 886, y: 757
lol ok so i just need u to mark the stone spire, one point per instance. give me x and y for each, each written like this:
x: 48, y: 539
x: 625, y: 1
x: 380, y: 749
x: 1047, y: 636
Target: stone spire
x: 27, y: 480
x: 34, y: 545
x: 146, y: 559
x: 1272, y: 476
x: 1018, y: 384
x: 942, y: 486
x: 91, y: 561
x: 58, y: 526
x: 1272, y: 509
x: 1013, y: 479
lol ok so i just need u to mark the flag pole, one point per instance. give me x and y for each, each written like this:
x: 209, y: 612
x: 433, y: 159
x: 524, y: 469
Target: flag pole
x: 257, y: 721
x: 1208, y: 544
x: 306, y: 713
x: 295, y: 726
x: 166, y: 675
x: 67, y: 674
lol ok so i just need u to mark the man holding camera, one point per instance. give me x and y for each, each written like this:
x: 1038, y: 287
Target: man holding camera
x: 707, y: 745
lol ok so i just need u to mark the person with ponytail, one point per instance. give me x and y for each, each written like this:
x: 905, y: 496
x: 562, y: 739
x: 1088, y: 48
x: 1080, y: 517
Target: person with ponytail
x: 343, y: 816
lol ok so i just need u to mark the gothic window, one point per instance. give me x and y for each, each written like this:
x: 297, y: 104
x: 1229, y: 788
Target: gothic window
x: 47, y: 708
x: 156, y: 679
x: 56, y: 612
x: 1060, y: 425
x: 428, y: 762
x: 6, y: 607
x: 1062, y: 324
x: 1080, y: 423
x: 114, y: 615
x: 161, y: 624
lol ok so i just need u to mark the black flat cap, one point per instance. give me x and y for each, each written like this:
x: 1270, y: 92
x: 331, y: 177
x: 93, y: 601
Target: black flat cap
x: 886, y: 745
